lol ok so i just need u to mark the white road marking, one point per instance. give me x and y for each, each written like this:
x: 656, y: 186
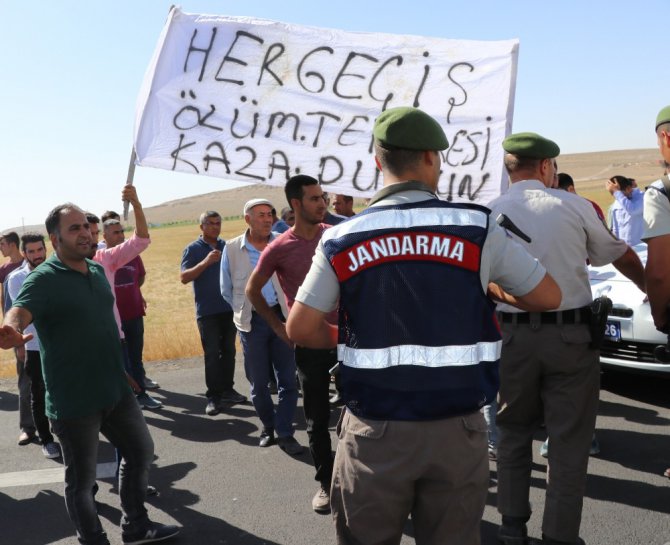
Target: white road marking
x: 48, y: 476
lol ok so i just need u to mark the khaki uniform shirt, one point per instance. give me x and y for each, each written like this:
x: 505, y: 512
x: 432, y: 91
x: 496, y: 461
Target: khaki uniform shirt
x: 656, y: 212
x: 565, y: 231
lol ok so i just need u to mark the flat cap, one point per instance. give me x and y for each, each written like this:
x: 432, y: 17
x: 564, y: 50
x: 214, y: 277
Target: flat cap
x: 409, y: 128
x: 255, y: 202
x: 663, y: 117
x: 532, y: 145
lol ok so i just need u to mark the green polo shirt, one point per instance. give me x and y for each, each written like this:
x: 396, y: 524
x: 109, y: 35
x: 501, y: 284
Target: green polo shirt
x: 80, y: 348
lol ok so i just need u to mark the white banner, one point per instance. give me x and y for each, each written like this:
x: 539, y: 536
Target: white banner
x: 259, y: 101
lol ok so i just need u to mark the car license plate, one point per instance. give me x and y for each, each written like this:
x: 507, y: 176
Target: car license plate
x: 613, y: 331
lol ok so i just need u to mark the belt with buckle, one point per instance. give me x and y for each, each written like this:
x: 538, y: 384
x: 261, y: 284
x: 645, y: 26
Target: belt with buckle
x: 571, y: 316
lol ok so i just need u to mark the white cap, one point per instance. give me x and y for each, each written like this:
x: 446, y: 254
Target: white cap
x: 255, y: 202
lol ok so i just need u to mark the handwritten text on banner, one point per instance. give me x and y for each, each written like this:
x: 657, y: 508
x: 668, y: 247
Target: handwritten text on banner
x: 259, y: 101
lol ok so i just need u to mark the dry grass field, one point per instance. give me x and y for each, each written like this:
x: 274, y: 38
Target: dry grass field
x: 170, y: 329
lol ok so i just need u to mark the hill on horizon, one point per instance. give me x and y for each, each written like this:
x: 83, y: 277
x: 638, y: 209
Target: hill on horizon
x: 589, y: 170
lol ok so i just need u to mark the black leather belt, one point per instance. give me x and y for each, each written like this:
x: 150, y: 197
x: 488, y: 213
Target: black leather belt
x: 572, y: 316
x: 275, y: 308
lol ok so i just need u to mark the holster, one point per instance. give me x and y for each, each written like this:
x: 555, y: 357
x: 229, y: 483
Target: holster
x: 600, y: 309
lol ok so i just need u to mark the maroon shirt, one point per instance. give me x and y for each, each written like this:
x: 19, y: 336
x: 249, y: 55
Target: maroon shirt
x: 127, y: 289
x: 8, y: 267
x: 290, y: 256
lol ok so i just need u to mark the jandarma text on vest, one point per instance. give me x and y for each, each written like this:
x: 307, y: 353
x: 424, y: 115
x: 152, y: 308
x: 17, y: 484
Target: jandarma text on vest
x: 414, y: 246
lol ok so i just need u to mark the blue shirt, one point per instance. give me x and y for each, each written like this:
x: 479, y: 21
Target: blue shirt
x: 226, y: 278
x: 333, y: 219
x: 208, y: 299
x: 626, y: 216
x: 280, y: 226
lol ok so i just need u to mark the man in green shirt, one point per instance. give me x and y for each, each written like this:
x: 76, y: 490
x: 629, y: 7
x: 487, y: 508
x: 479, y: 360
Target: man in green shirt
x: 70, y: 303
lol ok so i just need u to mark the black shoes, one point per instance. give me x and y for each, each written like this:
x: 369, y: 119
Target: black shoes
x: 152, y: 533
x: 228, y: 398
x: 290, y: 446
x: 267, y: 438
x: 212, y: 408
x: 513, y: 531
x: 231, y: 397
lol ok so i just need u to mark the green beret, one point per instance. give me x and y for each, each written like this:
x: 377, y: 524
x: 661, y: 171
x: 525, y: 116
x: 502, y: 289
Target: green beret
x: 409, y: 128
x: 663, y: 117
x: 532, y: 145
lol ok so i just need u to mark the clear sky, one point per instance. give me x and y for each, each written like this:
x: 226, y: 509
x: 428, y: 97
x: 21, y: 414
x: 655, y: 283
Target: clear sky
x: 592, y: 75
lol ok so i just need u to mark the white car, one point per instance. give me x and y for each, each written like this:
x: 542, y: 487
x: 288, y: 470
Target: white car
x: 630, y: 336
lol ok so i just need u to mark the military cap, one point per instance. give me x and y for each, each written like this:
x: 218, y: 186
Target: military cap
x: 409, y: 128
x: 663, y: 117
x: 532, y: 145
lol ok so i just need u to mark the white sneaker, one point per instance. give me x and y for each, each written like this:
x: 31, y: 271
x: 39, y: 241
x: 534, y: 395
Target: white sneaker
x: 51, y: 450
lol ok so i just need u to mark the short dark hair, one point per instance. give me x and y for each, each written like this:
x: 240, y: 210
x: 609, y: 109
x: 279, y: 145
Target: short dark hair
x: 663, y: 127
x: 11, y: 238
x: 293, y: 188
x: 624, y: 183
x: 109, y: 214
x: 396, y: 160
x: 52, y: 223
x: 565, y: 181
x: 29, y: 238
x: 208, y: 214
x: 514, y: 163
x: 92, y: 218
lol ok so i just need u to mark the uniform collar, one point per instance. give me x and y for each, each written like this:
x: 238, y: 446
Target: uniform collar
x: 411, y: 185
x: 526, y: 184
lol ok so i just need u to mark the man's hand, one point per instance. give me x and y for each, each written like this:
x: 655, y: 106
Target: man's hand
x: 280, y: 331
x: 612, y: 187
x: 213, y: 257
x: 11, y: 338
x: 133, y: 384
x: 129, y: 193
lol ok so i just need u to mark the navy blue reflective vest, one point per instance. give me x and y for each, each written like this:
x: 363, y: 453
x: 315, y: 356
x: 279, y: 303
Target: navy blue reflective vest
x: 418, y: 338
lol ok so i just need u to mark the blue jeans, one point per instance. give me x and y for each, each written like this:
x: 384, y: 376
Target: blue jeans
x: 262, y: 347
x: 124, y: 426
x: 134, y: 332
x: 217, y: 334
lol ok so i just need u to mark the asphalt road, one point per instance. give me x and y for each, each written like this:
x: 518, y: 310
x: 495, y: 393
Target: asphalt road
x: 221, y: 487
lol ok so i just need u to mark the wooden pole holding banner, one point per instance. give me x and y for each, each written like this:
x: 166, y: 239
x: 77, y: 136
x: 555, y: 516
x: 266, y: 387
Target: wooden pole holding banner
x: 129, y: 181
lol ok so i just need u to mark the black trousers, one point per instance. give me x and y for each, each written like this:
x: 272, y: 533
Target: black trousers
x: 313, y: 366
x: 37, y: 392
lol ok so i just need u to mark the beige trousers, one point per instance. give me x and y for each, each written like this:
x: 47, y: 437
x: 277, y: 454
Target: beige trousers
x: 437, y: 471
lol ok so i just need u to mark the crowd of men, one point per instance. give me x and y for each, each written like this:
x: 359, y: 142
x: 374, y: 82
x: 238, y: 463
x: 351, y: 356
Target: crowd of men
x: 429, y: 310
